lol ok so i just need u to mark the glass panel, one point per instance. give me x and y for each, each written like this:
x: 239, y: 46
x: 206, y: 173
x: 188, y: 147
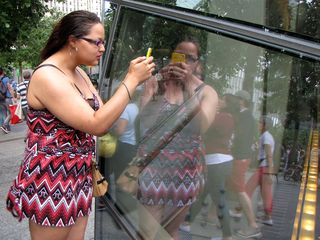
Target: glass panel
x: 194, y: 168
x: 294, y: 16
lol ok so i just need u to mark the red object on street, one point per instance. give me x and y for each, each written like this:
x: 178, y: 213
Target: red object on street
x: 14, y: 118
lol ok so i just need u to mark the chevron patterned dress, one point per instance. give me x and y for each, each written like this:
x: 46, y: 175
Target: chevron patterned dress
x: 54, y: 184
x: 175, y: 176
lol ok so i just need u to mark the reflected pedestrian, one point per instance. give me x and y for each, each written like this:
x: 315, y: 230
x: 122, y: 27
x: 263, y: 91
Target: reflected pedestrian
x: 171, y: 182
x: 265, y: 174
x: 242, y: 152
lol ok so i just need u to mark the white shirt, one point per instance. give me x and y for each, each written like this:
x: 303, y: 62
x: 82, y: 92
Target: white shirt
x: 217, y: 158
x: 265, y: 138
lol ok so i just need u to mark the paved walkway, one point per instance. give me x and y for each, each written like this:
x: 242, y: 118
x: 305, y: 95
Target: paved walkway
x: 11, y: 150
x: 284, y: 210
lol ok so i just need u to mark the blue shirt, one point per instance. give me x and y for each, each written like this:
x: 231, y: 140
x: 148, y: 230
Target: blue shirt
x: 130, y: 113
x: 6, y: 80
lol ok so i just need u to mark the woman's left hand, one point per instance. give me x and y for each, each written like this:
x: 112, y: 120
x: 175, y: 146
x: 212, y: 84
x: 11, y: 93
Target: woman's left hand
x: 184, y: 73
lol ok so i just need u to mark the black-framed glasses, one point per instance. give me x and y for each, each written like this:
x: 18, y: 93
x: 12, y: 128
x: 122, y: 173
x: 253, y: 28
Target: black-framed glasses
x: 191, y: 58
x: 95, y: 42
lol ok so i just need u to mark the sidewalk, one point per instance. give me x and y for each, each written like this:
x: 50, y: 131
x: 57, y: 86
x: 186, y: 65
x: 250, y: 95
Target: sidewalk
x: 11, y: 153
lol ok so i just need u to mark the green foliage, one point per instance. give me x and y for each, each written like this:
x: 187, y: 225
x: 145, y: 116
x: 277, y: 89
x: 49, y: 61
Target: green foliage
x: 108, y: 18
x: 17, y: 16
x: 25, y: 51
x: 30, y: 44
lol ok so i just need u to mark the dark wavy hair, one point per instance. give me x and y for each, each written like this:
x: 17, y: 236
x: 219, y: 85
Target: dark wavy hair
x: 232, y: 105
x: 77, y: 24
x: 266, y: 122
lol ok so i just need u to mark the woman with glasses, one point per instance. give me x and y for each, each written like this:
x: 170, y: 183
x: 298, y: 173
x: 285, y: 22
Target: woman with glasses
x: 54, y: 186
x: 171, y: 181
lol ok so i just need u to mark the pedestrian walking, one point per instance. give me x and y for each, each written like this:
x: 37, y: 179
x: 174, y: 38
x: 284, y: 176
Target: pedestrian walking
x: 265, y: 174
x: 22, y: 91
x: 6, y: 101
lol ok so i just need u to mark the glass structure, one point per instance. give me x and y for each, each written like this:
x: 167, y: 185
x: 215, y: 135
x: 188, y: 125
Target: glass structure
x: 263, y: 54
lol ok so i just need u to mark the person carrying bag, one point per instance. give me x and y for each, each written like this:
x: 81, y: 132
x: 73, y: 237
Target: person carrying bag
x: 159, y: 136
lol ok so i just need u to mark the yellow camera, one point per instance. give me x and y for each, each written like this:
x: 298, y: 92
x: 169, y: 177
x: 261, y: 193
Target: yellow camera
x: 178, y: 57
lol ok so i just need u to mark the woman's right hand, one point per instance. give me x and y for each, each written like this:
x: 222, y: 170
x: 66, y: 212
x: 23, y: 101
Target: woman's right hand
x: 141, y: 69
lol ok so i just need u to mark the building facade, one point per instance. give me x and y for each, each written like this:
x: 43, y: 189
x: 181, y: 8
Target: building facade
x: 73, y: 5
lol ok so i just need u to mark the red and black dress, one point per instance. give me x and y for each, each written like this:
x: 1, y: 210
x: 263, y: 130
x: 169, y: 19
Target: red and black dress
x: 54, y: 184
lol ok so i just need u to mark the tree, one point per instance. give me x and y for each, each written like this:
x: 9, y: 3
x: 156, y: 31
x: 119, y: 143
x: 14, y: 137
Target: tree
x: 17, y: 15
x: 25, y: 51
x: 29, y: 44
x: 300, y: 84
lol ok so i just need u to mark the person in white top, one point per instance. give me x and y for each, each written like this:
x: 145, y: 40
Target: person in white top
x: 263, y: 176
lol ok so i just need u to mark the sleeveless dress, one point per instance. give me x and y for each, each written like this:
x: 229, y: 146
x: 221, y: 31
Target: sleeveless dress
x: 175, y: 176
x: 54, y: 184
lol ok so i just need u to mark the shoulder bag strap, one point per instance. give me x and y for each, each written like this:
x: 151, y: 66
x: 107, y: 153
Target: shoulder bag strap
x: 191, y: 111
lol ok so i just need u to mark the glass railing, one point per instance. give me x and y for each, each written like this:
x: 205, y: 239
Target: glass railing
x: 188, y: 160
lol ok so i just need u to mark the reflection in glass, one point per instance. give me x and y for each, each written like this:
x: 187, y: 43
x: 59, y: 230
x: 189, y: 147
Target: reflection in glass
x: 286, y: 88
x: 294, y: 16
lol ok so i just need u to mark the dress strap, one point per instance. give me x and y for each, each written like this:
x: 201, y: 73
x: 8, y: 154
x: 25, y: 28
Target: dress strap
x: 51, y: 65
x: 84, y: 79
x: 48, y: 65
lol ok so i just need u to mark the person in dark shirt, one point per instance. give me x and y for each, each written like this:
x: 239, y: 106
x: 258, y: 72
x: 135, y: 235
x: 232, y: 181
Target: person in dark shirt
x: 218, y: 142
x: 242, y: 152
x: 8, y: 89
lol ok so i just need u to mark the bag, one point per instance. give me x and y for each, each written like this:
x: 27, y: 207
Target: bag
x: 3, y: 90
x: 107, y: 145
x: 18, y: 111
x: 99, y: 183
x: 14, y: 118
x: 128, y: 180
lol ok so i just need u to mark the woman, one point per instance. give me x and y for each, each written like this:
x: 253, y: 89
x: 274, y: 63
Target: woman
x: 264, y: 175
x: 54, y: 186
x: 170, y: 183
x: 242, y: 152
x: 218, y: 141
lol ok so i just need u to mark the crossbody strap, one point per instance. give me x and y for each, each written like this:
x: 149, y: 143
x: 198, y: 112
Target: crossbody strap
x: 165, y: 139
x: 156, y: 127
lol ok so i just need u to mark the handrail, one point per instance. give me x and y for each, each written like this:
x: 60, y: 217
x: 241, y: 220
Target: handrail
x: 305, y: 220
